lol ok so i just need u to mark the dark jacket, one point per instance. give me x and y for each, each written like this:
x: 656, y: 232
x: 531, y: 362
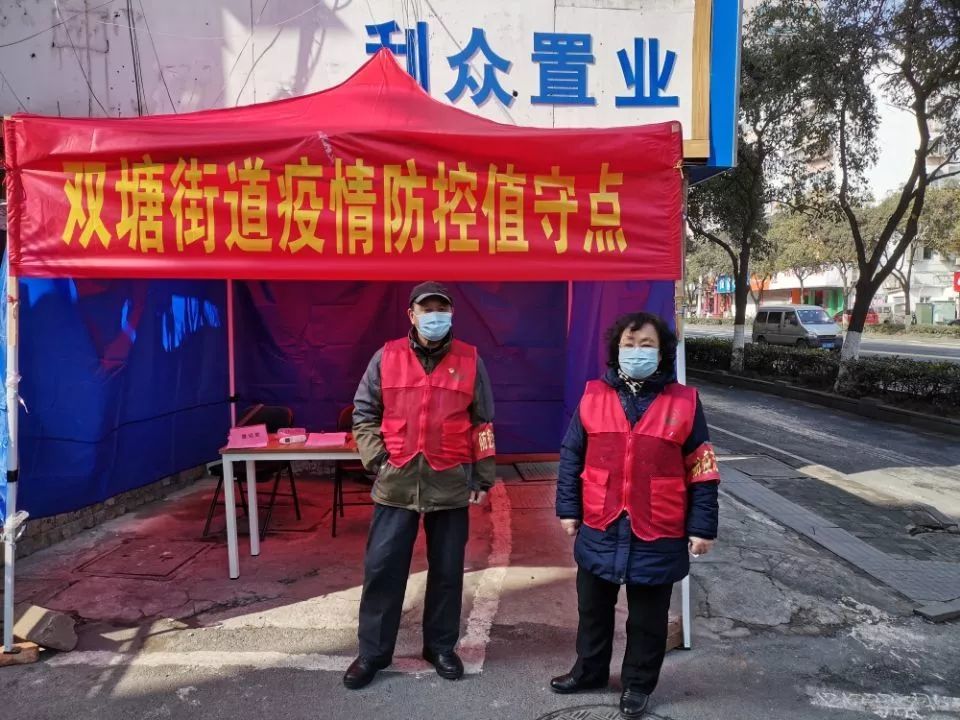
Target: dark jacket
x: 417, y: 486
x: 616, y: 554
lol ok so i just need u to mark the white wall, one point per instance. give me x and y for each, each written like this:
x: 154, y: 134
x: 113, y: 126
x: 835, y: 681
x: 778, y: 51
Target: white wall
x: 198, y: 54
x: 932, y: 281
x: 829, y: 278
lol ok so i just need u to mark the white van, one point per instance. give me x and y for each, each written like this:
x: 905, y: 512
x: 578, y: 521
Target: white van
x: 806, y: 326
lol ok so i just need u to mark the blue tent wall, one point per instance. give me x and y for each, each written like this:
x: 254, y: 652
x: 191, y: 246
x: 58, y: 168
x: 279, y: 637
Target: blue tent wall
x: 594, y: 308
x: 125, y: 383
x: 306, y: 345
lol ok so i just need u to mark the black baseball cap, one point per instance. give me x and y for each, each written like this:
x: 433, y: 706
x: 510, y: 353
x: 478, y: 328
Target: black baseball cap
x: 427, y: 290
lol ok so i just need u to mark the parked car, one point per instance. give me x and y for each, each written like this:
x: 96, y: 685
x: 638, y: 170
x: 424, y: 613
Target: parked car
x: 797, y: 325
x: 843, y: 318
x: 954, y: 323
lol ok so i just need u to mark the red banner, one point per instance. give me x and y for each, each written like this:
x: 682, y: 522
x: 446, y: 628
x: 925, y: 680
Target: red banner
x: 369, y: 180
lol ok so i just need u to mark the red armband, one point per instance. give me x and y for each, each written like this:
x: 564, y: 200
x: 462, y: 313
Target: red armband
x: 484, y: 445
x: 702, y: 465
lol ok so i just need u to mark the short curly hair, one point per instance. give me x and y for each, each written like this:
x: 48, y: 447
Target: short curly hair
x: 635, y: 321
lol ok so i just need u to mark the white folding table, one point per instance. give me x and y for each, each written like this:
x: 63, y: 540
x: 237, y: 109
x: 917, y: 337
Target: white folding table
x: 250, y: 456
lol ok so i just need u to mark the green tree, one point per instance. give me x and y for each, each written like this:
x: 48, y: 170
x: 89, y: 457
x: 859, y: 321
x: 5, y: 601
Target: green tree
x: 704, y: 263
x: 798, y: 243
x: 857, y: 55
x: 937, y: 230
x: 839, y: 251
x: 730, y: 210
x: 762, y: 274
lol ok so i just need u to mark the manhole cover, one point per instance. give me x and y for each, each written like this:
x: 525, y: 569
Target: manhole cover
x: 145, y: 558
x: 591, y: 712
x: 766, y: 467
x: 538, y: 471
x: 532, y: 497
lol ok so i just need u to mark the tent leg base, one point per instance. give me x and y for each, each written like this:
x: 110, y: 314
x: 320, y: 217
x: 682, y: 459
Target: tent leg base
x: 23, y: 653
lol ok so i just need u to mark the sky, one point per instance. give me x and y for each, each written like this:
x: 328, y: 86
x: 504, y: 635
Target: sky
x: 897, y: 140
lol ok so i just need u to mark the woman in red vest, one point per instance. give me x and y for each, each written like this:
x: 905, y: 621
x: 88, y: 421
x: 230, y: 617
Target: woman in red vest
x: 638, y: 488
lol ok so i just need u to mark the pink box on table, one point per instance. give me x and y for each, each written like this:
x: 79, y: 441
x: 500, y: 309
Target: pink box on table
x: 327, y: 440
x: 251, y: 436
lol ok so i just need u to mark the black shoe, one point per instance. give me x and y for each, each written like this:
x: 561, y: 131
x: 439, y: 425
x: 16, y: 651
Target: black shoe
x: 633, y: 704
x: 361, y: 672
x: 448, y: 664
x: 568, y: 684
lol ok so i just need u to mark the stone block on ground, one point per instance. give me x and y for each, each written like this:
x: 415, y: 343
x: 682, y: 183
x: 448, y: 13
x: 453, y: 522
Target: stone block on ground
x: 940, y: 611
x: 674, y: 632
x: 47, y: 628
x: 29, y: 653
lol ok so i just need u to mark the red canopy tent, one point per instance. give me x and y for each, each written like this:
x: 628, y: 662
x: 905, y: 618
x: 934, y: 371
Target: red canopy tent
x: 372, y: 180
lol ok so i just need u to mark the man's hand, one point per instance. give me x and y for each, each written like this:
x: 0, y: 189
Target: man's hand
x: 699, y: 546
x: 570, y: 526
x: 478, y: 497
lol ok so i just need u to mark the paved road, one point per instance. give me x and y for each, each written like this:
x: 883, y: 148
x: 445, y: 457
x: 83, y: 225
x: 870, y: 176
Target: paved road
x: 818, y: 435
x: 919, y: 349
x: 870, y: 478
x: 783, y: 630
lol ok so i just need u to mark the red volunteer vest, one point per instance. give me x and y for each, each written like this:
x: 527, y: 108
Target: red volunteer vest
x: 428, y: 414
x: 640, y: 469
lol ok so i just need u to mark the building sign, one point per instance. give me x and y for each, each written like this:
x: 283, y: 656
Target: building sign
x: 535, y: 63
x: 725, y: 285
x: 586, y: 64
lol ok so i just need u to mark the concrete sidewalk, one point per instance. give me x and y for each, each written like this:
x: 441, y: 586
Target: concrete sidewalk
x: 784, y: 628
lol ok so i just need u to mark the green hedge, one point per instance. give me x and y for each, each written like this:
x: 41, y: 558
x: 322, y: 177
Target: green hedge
x: 936, y: 383
x: 814, y: 368
x: 888, y: 329
x: 947, y: 331
x: 901, y: 381
x: 709, y: 321
x: 709, y: 353
x: 810, y: 368
x: 937, y: 330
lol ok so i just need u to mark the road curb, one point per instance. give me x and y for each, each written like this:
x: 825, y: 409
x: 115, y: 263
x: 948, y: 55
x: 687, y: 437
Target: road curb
x: 866, y: 407
x: 906, y: 335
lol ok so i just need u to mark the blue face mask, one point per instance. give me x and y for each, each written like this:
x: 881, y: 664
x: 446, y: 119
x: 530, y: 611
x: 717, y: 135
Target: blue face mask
x: 434, y: 326
x: 639, y: 363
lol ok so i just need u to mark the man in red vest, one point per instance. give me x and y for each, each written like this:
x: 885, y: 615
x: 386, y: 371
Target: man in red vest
x: 423, y: 423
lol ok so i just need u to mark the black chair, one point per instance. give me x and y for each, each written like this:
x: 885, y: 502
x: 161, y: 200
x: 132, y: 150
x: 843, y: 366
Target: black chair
x: 274, y: 417
x: 352, y: 469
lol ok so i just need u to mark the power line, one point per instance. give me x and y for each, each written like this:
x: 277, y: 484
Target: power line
x: 240, y: 54
x: 181, y: 36
x: 146, y: 23
x: 76, y: 54
x: 135, y: 57
x: 13, y: 92
x: 254, y: 67
x: 54, y: 27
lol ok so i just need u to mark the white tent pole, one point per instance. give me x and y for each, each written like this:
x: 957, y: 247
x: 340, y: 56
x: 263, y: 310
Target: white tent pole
x: 13, y: 421
x: 231, y: 356
x: 681, y: 299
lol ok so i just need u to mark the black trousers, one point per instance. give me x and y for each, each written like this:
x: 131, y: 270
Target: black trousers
x: 393, y: 533
x: 648, y: 611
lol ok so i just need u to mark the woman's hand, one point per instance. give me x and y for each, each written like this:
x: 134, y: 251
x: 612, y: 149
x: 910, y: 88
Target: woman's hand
x: 699, y: 546
x: 570, y: 526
